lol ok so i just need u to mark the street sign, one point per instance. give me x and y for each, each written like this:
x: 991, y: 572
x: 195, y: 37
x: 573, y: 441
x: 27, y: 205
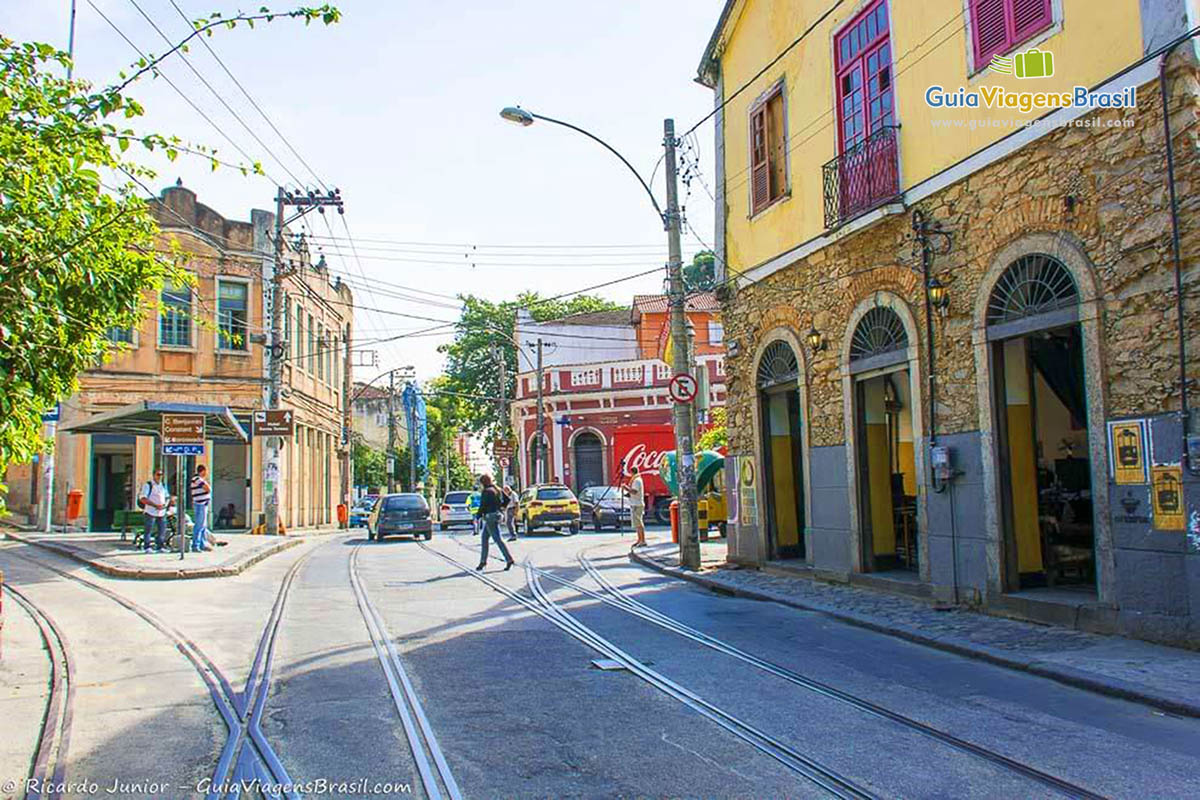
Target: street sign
x: 280, y: 422
x: 504, y: 462
x: 502, y: 448
x: 183, y: 434
x: 683, y: 388
x: 53, y: 414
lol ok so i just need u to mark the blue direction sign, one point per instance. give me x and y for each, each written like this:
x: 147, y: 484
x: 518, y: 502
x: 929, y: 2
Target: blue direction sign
x: 183, y: 449
x: 53, y: 414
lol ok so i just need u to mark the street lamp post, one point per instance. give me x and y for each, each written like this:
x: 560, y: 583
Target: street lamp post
x: 689, y: 541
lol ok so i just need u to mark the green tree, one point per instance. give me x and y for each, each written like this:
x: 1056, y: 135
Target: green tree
x: 370, y: 465
x: 701, y: 274
x: 471, y: 360
x: 716, y: 435
x: 76, y: 256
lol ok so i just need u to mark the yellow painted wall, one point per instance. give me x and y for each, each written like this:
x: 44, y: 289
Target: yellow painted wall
x: 879, y: 470
x: 1096, y: 40
x: 784, y: 479
x: 1022, y: 458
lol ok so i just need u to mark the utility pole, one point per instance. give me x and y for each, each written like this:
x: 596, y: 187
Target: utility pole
x: 540, y: 454
x: 391, y: 448
x: 502, y: 403
x: 347, y: 457
x: 304, y: 202
x: 689, y: 541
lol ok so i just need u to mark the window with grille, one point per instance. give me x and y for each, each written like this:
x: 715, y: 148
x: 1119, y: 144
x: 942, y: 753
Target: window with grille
x: 1033, y: 284
x: 309, y: 354
x: 298, y: 357
x: 998, y: 26
x: 233, y: 315
x: 768, y: 151
x: 879, y: 331
x: 864, y: 76
x: 321, y: 351
x: 778, y: 365
x: 120, y: 335
x: 175, y: 318
x: 716, y: 333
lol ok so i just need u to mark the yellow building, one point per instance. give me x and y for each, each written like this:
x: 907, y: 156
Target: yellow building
x: 206, y: 343
x: 946, y: 229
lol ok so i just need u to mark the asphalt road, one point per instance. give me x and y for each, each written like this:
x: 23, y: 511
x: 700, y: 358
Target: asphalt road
x: 354, y: 669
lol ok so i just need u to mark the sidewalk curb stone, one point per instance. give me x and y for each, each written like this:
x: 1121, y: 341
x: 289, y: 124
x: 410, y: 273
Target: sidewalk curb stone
x: 105, y: 566
x: 1081, y: 679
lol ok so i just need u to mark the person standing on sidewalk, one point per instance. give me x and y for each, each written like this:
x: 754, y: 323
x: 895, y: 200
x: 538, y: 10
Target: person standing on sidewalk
x: 637, y: 507
x: 201, y: 492
x: 154, y: 499
x: 510, y: 512
x: 491, y: 502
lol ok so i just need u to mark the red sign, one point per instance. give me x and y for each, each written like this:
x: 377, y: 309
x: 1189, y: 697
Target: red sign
x: 642, y: 446
x: 683, y: 388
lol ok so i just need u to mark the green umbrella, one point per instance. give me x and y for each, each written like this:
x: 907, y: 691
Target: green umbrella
x: 708, y: 464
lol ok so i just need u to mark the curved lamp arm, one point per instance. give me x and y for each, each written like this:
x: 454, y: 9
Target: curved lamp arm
x: 525, y: 118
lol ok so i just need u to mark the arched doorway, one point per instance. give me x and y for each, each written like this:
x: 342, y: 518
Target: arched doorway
x: 1042, y: 423
x: 588, y: 452
x: 778, y: 379
x: 885, y: 441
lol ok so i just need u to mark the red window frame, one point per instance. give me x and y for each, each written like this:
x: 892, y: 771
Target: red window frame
x: 998, y: 26
x: 863, y: 75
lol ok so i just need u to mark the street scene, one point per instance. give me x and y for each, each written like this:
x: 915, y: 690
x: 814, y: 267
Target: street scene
x: 757, y: 399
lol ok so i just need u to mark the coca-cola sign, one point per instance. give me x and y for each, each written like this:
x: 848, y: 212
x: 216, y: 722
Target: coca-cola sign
x: 646, y: 461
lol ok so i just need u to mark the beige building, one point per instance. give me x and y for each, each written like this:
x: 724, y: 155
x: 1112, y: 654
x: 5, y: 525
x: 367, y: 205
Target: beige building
x: 370, y: 407
x: 206, y: 343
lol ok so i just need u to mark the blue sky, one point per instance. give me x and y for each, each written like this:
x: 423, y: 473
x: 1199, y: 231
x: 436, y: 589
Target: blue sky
x: 398, y: 107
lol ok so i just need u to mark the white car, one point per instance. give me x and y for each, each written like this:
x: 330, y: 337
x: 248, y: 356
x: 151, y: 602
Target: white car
x: 454, y: 511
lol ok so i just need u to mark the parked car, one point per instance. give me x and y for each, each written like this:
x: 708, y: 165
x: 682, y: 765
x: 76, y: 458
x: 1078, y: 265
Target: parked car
x: 401, y: 513
x: 548, y: 506
x: 360, y: 512
x: 603, y: 506
x: 454, y: 510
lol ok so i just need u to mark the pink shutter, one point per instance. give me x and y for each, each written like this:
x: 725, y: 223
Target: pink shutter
x: 989, y: 29
x: 1030, y: 17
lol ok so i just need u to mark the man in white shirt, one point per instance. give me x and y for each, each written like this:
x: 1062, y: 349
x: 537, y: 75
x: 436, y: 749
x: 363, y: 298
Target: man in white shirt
x: 154, y: 499
x: 637, y: 507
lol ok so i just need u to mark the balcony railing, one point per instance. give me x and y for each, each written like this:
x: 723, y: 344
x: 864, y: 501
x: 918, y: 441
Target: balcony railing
x: 863, y: 178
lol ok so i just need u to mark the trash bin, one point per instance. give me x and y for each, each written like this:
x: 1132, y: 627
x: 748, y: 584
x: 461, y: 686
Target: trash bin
x: 74, y: 504
x: 343, y: 515
x: 675, y: 521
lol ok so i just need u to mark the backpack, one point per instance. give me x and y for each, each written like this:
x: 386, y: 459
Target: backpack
x: 141, y: 501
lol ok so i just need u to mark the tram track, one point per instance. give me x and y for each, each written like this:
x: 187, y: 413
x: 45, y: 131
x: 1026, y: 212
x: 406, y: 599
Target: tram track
x: 421, y: 739
x: 54, y: 735
x: 836, y: 784
x: 246, y: 755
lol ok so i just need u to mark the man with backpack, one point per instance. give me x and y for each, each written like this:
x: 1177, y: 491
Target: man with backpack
x: 154, y: 499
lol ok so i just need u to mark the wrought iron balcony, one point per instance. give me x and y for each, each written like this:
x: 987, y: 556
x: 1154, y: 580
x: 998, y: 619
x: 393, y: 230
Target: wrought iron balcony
x: 863, y: 178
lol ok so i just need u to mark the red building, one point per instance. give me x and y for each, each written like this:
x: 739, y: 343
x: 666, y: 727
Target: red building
x: 603, y: 372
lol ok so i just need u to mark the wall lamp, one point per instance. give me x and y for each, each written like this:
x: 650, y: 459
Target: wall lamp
x: 939, y: 296
x: 815, y: 340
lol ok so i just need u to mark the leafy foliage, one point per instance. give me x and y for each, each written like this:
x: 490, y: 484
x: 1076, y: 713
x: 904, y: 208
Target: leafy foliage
x: 701, y: 274
x: 486, y: 332
x: 77, y: 257
x: 716, y: 435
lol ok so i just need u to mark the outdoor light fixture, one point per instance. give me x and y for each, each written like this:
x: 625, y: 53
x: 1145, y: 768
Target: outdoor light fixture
x: 518, y: 115
x: 938, y: 295
x: 815, y: 340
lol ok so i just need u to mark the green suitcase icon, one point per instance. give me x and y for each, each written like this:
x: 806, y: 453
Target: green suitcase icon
x: 1033, y: 63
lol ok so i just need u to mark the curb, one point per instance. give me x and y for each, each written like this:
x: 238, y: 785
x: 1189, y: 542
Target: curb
x: 133, y: 573
x: 1079, y: 679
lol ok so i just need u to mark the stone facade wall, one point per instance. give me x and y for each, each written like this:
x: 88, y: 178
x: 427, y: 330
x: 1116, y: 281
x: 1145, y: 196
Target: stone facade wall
x: 1102, y: 188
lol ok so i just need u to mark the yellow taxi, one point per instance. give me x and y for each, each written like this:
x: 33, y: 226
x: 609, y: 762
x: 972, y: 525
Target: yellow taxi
x: 548, y: 505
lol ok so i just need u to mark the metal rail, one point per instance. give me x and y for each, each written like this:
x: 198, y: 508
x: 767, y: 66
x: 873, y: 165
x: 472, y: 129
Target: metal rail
x: 408, y: 705
x: 828, y: 779
x: 55, y: 733
x: 617, y: 598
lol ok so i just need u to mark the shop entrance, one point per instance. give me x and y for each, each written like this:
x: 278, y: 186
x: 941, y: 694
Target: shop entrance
x: 1042, y: 424
x: 112, y: 486
x: 886, y: 456
x: 229, y: 478
x: 779, y: 407
x: 589, y: 461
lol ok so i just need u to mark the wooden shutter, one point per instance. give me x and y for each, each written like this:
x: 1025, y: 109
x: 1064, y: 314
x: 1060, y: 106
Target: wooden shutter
x: 1029, y: 17
x: 989, y: 29
x: 760, y: 174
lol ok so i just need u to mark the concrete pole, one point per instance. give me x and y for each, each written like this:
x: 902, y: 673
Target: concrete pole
x: 391, y: 448
x: 347, y: 458
x: 502, y: 368
x: 689, y: 541
x: 275, y: 355
x: 48, y: 477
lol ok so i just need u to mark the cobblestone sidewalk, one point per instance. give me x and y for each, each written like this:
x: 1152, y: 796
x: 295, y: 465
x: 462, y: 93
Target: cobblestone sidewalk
x: 1164, y: 677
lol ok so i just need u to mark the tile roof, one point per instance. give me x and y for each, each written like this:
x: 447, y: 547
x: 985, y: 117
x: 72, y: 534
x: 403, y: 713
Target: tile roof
x: 657, y: 303
x: 364, y: 392
x: 618, y: 316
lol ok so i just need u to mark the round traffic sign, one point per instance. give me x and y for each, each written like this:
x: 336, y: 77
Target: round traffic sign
x: 683, y: 388
x: 504, y: 461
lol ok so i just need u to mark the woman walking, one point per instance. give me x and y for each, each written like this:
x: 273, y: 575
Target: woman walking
x: 490, y: 504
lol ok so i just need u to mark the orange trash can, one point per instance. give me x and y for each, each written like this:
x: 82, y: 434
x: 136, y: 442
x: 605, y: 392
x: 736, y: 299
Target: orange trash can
x: 343, y: 514
x: 74, y: 504
x: 675, y: 521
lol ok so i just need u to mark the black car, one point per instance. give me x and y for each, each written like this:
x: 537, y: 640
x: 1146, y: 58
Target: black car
x: 406, y: 513
x: 602, y: 506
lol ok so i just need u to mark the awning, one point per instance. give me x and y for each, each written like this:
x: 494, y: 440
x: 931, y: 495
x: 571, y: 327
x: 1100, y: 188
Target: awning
x: 144, y: 418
